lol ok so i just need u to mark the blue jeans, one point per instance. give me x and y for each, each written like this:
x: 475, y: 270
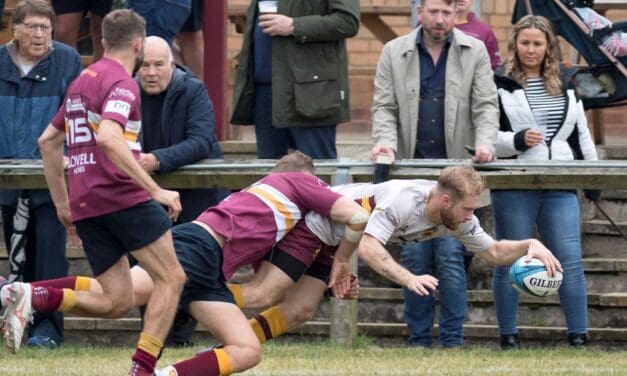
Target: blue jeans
x: 163, y: 18
x: 556, y: 215
x: 45, y: 259
x: 273, y: 143
x: 442, y: 257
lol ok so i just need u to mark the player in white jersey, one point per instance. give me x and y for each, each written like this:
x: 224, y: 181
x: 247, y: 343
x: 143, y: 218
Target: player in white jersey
x: 401, y: 211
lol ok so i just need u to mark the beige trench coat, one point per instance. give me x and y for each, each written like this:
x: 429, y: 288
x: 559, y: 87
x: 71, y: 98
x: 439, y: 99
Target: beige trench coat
x: 471, y: 114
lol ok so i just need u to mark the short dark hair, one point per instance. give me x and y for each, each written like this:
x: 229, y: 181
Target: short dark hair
x: 120, y: 27
x: 294, y: 161
x: 448, y: 2
x: 460, y: 182
x: 39, y: 8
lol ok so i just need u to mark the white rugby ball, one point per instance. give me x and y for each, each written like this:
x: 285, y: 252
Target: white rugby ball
x: 532, y: 278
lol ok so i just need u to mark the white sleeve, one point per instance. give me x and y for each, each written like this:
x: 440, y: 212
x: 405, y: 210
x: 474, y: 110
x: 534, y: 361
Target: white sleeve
x: 473, y: 236
x: 505, y: 146
x: 586, y: 143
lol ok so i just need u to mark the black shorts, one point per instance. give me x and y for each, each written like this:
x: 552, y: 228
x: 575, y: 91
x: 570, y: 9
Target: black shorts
x: 108, y: 237
x: 196, y: 19
x: 319, y: 271
x: 201, y: 258
x: 97, y: 7
x: 290, y: 265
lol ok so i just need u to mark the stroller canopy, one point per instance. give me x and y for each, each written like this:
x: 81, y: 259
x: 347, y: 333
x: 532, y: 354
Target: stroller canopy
x: 565, y: 27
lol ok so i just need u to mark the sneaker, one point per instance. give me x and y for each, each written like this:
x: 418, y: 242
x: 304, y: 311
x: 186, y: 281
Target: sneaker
x: 167, y: 371
x: 509, y: 342
x: 578, y: 341
x: 17, y: 314
x: 42, y: 342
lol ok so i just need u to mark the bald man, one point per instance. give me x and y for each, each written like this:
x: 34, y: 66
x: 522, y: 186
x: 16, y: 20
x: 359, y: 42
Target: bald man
x: 178, y: 128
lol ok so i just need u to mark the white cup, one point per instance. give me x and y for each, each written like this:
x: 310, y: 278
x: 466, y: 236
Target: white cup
x: 383, y: 158
x: 268, y: 6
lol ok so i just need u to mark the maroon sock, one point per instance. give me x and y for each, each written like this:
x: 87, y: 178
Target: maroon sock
x: 145, y: 360
x: 59, y: 283
x: 46, y: 299
x: 203, y: 364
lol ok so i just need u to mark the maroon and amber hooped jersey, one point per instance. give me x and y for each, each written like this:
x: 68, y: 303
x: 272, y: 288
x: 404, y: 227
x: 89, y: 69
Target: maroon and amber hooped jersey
x: 256, y: 218
x: 104, y: 91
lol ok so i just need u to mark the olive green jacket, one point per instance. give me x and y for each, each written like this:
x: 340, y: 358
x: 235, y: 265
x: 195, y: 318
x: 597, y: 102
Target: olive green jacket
x: 309, y: 68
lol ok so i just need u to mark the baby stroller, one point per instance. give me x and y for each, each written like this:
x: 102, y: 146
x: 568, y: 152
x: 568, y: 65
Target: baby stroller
x: 604, y: 82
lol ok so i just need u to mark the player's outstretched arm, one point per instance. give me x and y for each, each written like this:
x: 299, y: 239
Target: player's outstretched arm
x: 379, y: 259
x: 505, y: 252
x: 111, y: 141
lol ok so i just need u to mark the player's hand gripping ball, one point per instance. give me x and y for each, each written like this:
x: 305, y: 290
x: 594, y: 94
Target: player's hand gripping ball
x: 532, y: 278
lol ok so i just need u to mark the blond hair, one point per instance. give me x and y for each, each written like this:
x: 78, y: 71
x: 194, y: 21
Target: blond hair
x: 460, y: 182
x: 550, y: 69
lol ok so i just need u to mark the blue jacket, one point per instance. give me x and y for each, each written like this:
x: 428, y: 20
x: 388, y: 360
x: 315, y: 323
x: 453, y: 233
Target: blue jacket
x: 28, y: 104
x: 188, y: 131
x: 187, y: 123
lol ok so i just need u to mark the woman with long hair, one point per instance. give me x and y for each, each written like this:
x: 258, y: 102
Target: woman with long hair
x: 541, y: 119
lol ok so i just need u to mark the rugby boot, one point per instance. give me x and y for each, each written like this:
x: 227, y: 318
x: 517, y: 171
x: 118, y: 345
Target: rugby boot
x: 17, y: 314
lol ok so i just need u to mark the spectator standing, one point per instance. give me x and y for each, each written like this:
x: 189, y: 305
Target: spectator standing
x: 433, y: 95
x: 441, y: 256
x: 190, y: 40
x: 468, y: 22
x: 292, y: 78
x: 34, y: 75
x: 178, y: 128
x: 163, y: 18
x: 541, y: 119
x: 70, y: 14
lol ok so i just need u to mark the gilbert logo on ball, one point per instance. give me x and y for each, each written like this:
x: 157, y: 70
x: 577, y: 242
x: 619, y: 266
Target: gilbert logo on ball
x: 532, y: 278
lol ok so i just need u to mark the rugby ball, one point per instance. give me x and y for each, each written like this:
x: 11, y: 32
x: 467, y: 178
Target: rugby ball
x: 532, y: 278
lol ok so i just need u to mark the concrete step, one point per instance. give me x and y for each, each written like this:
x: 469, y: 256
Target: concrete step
x: 387, y: 304
x: 107, y: 332
x: 615, y: 151
x: 616, y: 208
x: 596, y: 245
x: 604, y: 227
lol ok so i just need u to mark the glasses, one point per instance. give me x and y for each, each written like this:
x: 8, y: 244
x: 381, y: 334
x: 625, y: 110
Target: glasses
x: 32, y: 28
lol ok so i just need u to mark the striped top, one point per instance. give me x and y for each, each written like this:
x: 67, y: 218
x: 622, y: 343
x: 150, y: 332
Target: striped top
x: 547, y: 109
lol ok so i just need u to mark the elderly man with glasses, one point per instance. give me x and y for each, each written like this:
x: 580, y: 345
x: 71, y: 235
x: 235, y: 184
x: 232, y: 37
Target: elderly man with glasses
x: 34, y: 75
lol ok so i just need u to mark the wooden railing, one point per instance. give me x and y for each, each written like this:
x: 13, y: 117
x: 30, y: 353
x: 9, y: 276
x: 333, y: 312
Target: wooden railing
x: 605, y: 174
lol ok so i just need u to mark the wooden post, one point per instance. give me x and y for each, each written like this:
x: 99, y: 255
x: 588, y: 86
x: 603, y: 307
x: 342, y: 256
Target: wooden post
x: 343, y: 313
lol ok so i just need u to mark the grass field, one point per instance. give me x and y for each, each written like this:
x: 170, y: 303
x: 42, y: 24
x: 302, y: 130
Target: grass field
x: 320, y: 358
